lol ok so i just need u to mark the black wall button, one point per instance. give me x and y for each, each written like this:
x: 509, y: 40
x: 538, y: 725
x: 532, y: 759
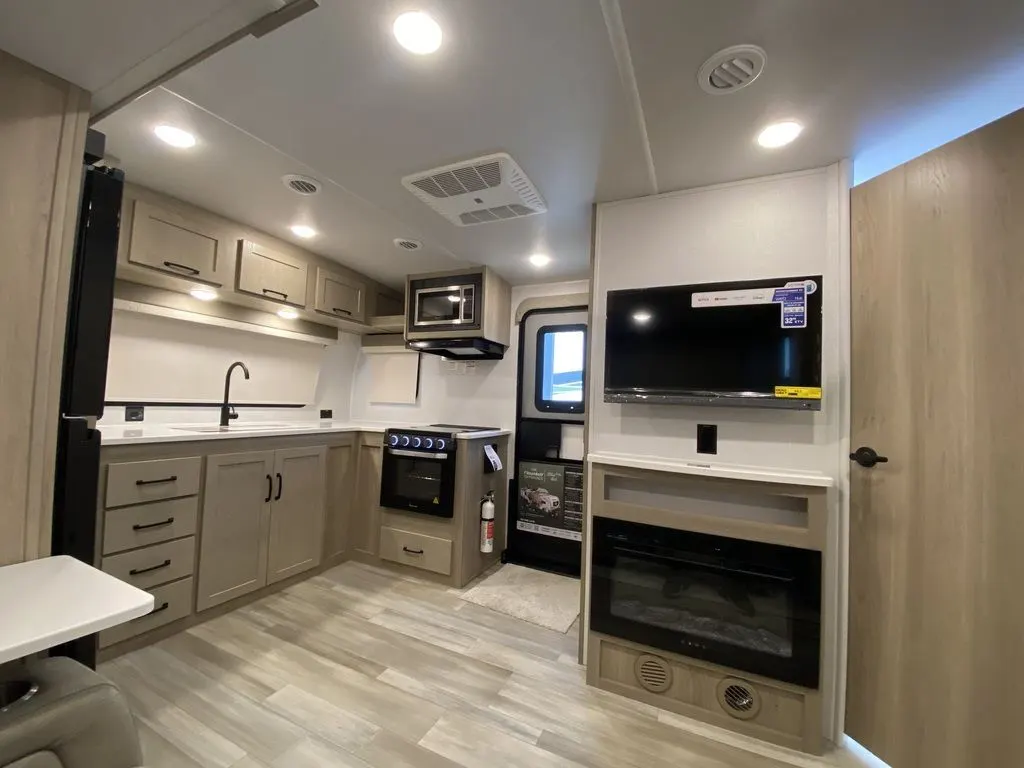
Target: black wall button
x: 707, y: 438
x: 326, y: 413
x: 134, y: 413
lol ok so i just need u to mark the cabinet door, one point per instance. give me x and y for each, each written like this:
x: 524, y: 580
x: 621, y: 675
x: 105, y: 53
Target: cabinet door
x: 341, y: 491
x: 170, y: 242
x: 272, y: 275
x: 236, y: 522
x: 340, y: 296
x: 364, y: 527
x: 297, y: 514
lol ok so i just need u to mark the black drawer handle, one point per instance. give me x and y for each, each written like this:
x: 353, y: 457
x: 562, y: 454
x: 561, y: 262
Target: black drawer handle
x: 146, y: 527
x: 412, y: 551
x: 340, y: 311
x: 282, y: 294
x: 137, y: 571
x: 163, y: 607
x: 182, y: 267
x: 280, y: 487
x: 170, y: 479
x: 270, y: 488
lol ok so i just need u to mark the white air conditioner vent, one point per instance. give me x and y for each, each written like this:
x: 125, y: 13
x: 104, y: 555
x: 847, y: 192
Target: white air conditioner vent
x: 732, y: 69
x: 479, y: 191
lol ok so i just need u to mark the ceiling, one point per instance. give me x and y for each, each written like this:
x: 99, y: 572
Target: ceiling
x: 595, y: 100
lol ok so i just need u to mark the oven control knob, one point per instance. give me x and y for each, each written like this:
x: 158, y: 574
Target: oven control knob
x: 428, y: 442
x: 441, y: 443
x: 416, y: 442
x: 393, y: 441
x: 405, y: 440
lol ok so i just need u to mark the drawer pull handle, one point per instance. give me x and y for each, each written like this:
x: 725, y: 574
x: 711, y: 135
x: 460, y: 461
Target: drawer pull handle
x: 163, y: 607
x: 412, y: 551
x: 137, y: 571
x: 340, y: 311
x: 181, y: 267
x: 159, y: 480
x: 146, y: 527
x: 280, y: 486
x: 270, y: 488
x: 282, y: 294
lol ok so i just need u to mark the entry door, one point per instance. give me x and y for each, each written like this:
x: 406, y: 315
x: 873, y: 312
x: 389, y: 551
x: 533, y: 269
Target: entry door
x: 936, y: 635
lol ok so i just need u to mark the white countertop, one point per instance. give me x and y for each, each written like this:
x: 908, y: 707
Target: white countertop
x: 141, y: 433
x: 726, y: 471
x: 53, y: 600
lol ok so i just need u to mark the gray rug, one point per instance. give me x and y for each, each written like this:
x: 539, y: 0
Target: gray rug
x: 538, y: 597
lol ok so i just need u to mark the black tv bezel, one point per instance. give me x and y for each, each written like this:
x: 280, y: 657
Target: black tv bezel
x: 729, y: 398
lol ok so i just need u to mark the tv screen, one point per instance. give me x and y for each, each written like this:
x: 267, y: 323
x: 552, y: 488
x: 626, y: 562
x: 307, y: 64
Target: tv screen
x: 756, y: 342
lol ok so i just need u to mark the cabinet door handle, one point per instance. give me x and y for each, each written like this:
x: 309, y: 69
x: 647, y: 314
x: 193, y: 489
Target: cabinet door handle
x: 340, y: 311
x: 280, y: 487
x: 162, y: 523
x: 412, y: 551
x: 283, y: 295
x: 170, y: 479
x: 182, y: 267
x: 270, y: 488
x: 137, y: 571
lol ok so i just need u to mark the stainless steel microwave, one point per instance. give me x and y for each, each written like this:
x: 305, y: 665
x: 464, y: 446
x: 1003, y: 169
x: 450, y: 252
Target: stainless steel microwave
x: 445, y: 303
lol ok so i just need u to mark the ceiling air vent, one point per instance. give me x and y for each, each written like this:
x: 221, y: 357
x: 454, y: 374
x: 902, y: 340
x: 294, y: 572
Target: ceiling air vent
x: 406, y: 244
x: 303, y: 185
x: 479, y: 191
x: 732, y: 69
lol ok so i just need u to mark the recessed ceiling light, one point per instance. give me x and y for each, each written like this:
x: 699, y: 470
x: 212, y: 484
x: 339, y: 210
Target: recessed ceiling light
x: 203, y: 293
x: 176, y: 137
x: 540, y: 259
x: 301, y: 230
x: 417, y: 32
x: 642, y: 317
x: 287, y: 313
x: 779, y: 134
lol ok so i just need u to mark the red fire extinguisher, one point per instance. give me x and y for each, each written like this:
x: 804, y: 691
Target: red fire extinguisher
x: 487, y: 523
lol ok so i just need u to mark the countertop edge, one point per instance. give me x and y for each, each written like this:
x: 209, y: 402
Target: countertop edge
x: 723, y: 471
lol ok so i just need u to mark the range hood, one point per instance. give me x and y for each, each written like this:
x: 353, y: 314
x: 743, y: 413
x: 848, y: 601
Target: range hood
x: 460, y: 349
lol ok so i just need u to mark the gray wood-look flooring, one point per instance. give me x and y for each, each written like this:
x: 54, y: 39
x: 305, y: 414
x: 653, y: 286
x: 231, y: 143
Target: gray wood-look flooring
x: 361, y: 667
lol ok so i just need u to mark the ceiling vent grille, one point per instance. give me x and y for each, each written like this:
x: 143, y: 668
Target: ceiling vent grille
x: 302, y: 185
x: 732, y: 69
x: 478, y: 191
x: 407, y: 245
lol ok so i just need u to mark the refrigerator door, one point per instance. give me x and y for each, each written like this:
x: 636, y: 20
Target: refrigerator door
x: 91, y: 300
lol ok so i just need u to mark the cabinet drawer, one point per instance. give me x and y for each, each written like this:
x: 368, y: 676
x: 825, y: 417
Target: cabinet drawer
x: 152, y: 566
x: 340, y: 296
x: 141, y: 481
x: 272, y: 275
x: 171, y: 602
x: 167, y: 241
x: 427, y: 552
x: 131, y: 527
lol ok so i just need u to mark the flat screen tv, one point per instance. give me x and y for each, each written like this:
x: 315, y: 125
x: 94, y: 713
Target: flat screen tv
x: 751, y: 343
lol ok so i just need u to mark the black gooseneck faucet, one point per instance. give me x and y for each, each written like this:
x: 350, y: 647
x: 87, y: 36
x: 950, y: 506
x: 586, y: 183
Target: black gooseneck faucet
x: 226, y: 411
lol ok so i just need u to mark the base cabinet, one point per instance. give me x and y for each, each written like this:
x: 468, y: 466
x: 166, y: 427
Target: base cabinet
x: 297, y: 513
x: 341, y: 485
x: 364, y: 531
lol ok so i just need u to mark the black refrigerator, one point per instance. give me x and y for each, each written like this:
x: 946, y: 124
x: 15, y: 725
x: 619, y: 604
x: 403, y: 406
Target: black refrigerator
x: 86, y: 346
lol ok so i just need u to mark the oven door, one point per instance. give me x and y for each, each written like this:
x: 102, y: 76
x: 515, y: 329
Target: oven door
x: 418, y: 482
x: 741, y: 604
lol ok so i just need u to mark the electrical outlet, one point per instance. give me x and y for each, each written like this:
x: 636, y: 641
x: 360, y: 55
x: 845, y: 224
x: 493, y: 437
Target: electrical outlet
x: 326, y: 413
x: 707, y: 438
x: 134, y: 413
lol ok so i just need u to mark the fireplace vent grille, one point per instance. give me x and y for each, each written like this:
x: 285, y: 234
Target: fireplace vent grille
x: 653, y: 673
x: 739, y: 698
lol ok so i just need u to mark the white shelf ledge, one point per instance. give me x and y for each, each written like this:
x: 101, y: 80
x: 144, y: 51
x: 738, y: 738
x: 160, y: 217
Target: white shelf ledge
x: 54, y: 600
x: 725, y: 471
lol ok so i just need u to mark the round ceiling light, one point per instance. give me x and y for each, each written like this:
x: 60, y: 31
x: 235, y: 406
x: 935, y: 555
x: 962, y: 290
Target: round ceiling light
x: 540, y: 260
x: 417, y: 32
x: 301, y: 230
x: 779, y: 134
x: 176, y: 137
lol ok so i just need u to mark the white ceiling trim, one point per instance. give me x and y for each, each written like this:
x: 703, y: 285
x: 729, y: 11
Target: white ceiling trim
x: 624, y: 60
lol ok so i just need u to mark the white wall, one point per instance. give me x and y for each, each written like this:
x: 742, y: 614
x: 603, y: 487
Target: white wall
x: 795, y: 224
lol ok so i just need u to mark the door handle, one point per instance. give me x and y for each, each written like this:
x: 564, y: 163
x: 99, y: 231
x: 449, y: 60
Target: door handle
x: 182, y: 267
x: 137, y: 571
x: 282, y: 294
x: 270, y: 488
x: 280, y: 487
x: 868, y: 457
x: 340, y: 311
x: 168, y: 521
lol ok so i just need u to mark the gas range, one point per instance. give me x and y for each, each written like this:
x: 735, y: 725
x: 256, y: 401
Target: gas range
x: 432, y: 438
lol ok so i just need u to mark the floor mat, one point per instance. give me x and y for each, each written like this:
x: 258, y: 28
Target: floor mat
x: 538, y: 597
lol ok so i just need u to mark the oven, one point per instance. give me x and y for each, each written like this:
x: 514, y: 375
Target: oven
x: 445, y: 303
x: 418, y: 472
x: 741, y: 604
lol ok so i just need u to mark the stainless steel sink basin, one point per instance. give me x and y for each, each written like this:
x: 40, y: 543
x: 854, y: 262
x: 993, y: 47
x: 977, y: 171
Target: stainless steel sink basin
x: 269, y: 426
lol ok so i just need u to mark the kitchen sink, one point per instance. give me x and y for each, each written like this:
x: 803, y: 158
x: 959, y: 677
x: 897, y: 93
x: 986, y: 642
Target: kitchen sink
x: 263, y: 427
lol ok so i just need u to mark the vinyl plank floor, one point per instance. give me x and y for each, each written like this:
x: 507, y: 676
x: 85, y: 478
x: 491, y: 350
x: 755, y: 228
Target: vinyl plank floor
x: 360, y: 667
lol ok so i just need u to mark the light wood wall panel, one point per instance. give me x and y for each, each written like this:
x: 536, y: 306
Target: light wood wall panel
x: 42, y: 138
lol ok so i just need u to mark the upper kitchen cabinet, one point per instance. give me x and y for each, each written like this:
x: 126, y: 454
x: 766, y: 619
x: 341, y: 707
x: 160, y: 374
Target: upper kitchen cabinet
x: 340, y: 296
x: 168, y: 241
x: 271, y: 275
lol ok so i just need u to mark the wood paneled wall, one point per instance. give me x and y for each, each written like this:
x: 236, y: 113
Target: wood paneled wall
x: 42, y: 138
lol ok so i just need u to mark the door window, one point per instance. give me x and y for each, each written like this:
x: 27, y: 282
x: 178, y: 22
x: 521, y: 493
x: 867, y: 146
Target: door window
x: 560, y: 372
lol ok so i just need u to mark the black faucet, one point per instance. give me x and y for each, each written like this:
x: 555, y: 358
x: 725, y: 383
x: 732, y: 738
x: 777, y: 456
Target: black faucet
x: 226, y: 411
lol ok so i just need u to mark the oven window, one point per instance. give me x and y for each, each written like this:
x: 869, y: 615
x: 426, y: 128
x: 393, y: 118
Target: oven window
x: 439, y: 306
x: 418, y: 480
x: 721, y: 604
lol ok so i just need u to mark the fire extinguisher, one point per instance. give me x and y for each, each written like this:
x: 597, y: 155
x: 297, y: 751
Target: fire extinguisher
x: 487, y: 523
